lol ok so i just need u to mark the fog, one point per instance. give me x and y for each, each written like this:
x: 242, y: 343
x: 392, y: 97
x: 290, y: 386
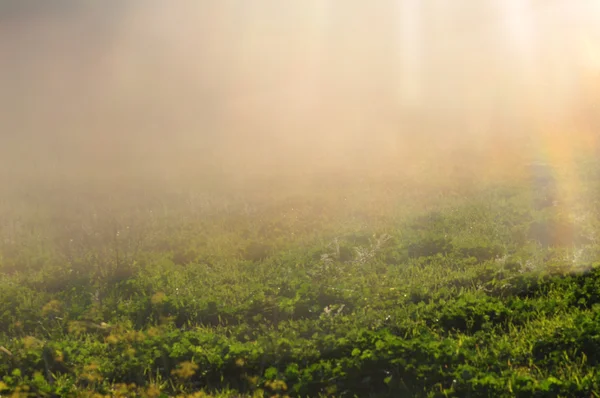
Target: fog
x: 156, y: 90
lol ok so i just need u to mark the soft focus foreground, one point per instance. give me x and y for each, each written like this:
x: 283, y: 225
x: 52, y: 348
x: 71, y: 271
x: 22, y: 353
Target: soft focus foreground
x: 303, y: 199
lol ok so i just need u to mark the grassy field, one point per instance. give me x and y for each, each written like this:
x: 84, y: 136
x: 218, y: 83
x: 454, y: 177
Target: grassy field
x: 300, y: 198
x: 345, y: 286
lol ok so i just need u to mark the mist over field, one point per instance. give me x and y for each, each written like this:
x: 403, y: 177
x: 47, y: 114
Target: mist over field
x: 299, y: 198
x: 157, y: 90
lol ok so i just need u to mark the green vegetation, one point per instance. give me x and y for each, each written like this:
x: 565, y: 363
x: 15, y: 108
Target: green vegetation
x: 358, y: 288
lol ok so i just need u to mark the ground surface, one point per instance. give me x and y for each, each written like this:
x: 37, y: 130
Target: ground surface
x: 366, y: 287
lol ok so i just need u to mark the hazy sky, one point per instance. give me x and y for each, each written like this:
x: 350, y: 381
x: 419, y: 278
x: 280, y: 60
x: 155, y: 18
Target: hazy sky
x: 270, y: 84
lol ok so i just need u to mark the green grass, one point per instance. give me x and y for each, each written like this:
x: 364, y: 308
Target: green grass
x: 358, y: 288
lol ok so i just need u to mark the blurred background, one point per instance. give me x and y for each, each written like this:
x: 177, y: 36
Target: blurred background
x: 155, y: 90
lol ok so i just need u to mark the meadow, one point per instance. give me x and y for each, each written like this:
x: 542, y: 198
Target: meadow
x: 299, y: 199
x: 343, y: 285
